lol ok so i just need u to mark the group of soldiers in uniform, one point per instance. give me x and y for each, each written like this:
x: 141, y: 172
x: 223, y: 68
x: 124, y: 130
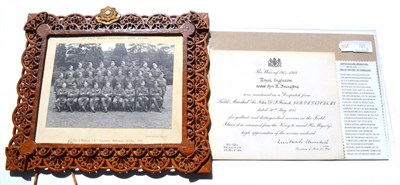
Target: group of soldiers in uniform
x: 118, y: 88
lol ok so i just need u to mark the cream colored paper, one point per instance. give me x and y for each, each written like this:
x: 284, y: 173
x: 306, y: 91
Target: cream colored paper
x: 362, y: 110
x: 112, y: 135
x: 262, y: 111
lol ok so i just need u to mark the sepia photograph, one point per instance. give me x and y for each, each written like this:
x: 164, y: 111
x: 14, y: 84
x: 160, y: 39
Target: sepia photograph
x: 96, y: 84
x: 112, y: 83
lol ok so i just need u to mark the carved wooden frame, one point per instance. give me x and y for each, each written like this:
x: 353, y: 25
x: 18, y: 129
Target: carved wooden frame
x: 192, y: 155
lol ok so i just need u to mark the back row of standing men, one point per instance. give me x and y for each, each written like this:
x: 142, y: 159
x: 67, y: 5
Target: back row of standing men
x: 122, y: 74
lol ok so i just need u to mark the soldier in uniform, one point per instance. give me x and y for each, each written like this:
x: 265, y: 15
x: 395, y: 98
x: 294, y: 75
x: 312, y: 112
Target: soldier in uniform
x: 155, y: 71
x: 144, y: 69
x: 72, y: 97
x: 123, y: 67
x: 149, y: 80
x: 119, y: 94
x: 70, y: 70
x: 94, y: 95
x: 109, y: 78
x: 130, y: 79
x: 62, y: 94
x: 107, y: 94
x: 130, y: 97
x: 90, y: 79
x: 58, y: 83
x: 80, y: 69
x: 134, y: 69
x: 162, y: 83
x: 83, y: 99
x: 113, y: 68
x: 90, y: 68
x: 70, y: 79
x: 120, y: 78
x: 143, y: 93
x: 139, y: 79
x: 101, y: 69
x: 156, y: 99
x: 99, y: 79
x: 79, y: 80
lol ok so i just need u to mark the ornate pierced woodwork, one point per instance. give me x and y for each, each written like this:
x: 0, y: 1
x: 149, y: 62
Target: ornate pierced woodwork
x: 190, y: 156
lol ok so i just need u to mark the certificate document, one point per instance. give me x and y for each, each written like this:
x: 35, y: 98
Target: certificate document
x: 275, y: 105
x: 296, y: 96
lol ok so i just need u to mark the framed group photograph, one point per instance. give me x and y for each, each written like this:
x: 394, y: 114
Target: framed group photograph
x: 120, y: 87
x: 113, y: 92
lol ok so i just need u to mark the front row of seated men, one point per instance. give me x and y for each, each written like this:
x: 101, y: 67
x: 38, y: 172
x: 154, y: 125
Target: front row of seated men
x: 128, y: 99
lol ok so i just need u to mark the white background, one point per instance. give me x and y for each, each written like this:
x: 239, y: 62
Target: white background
x: 382, y: 16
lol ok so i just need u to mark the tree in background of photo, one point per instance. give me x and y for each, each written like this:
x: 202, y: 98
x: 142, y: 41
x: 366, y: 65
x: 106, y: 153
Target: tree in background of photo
x: 74, y: 53
x: 161, y: 54
x: 119, y: 53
